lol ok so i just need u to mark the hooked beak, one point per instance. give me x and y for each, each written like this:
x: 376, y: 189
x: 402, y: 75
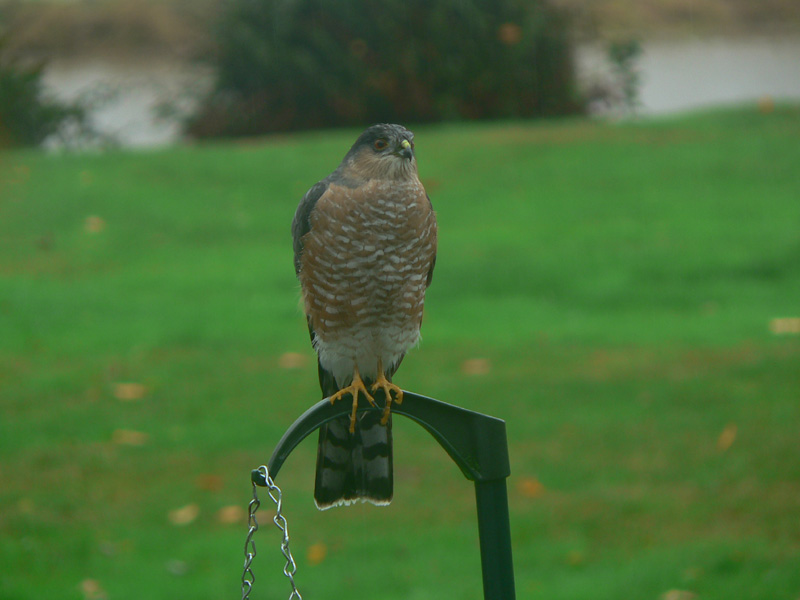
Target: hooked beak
x: 405, y: 150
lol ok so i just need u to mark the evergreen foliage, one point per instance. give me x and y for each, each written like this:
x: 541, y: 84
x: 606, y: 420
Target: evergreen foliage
x: 300, y: 64
x: 27, y: 117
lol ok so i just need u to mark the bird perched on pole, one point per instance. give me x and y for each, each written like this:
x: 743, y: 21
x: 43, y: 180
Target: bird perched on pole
x: 364, y: 251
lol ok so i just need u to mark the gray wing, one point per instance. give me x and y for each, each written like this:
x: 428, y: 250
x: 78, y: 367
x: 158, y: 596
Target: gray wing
x: 301, y: 224
x: 429, y: 278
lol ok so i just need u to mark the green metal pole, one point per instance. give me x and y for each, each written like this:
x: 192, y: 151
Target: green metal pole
x: 494, y: 532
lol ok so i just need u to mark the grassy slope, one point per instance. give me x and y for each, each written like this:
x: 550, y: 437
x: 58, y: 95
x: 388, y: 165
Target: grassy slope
x: 618, y: 279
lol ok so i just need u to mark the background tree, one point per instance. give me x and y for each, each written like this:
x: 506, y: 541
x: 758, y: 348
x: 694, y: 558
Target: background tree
x: 27, y: 116
x: 298, y: 64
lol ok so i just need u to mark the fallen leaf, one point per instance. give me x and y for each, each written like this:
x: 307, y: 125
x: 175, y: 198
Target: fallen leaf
x: 230, y: 515
x: 316, y: 553
x: 129, y: 391
x: 530, y: 487
x: 727, y: 437
x: 128, y: 437
x: 184, y: 515
x: 476, y: 366
x: 92, y: 590
x: 509, y: 33
x: 785, y: 326
x: 678, y: 595
x: 94, y: 224
x: 292, y: 360
x: 209, y: 482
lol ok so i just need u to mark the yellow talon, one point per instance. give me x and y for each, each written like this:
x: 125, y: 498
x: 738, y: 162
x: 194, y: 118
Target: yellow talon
x: 387, y: 387
x: 356, y: 386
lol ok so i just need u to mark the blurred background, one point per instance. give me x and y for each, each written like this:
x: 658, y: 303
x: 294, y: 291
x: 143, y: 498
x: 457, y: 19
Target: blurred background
x: 151, y: 73
x: 618, y: 278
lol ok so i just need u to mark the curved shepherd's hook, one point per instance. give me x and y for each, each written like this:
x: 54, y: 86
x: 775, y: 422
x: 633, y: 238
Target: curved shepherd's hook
x: 476, y: 443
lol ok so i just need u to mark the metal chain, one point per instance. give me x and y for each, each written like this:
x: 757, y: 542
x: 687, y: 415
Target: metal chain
x: 250, y: 546
x: 248, y: 577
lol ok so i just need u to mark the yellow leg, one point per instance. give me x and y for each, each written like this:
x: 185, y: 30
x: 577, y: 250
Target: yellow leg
x: 387, y: 388
x: 356, y: 386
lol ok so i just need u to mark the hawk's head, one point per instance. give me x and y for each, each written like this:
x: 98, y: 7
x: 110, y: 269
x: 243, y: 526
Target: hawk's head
x: 383, y: 151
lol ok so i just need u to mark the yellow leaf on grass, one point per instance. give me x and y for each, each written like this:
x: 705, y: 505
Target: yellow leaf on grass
x: 766, y: 104
x: 92, y: 590
x: 129, y: 391
x: 678, y: 595
x: 785, y: 326
x: 292, y: 360
x: 316, y: 553
x: 184, y: 515
x: 94, y: 224
x: 128, y: 437
x: 727, y: 437
x: 210, y: 482
x: 230, y: 515
x: 476, y: 366
x: 530, y: 487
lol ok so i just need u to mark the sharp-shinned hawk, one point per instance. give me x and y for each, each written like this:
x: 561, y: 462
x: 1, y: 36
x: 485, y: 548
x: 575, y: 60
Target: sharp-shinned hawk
x: 364, y: 251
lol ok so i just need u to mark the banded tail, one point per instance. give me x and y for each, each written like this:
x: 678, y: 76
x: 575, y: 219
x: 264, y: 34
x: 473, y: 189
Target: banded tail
x: 353, y: 466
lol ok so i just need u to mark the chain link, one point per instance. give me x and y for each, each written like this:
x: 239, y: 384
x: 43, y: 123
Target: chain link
x: 250, y: 546
x: 248, y: 577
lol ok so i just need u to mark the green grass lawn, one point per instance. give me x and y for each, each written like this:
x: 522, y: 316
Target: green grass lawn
x: 610, y: 291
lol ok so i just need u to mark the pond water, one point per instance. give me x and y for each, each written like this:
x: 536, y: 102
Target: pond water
x: 131, y: 103
x: 139, y: 103
x: 696, y: 73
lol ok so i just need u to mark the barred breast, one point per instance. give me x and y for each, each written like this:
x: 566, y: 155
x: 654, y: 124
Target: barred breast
x: 364, y: 272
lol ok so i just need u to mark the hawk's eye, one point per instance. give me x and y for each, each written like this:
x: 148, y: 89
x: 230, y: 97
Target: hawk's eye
x: 381, y: 144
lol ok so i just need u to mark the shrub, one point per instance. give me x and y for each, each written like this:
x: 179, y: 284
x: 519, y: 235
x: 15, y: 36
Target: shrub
x: 299, y: 64
x: 27, y: 118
